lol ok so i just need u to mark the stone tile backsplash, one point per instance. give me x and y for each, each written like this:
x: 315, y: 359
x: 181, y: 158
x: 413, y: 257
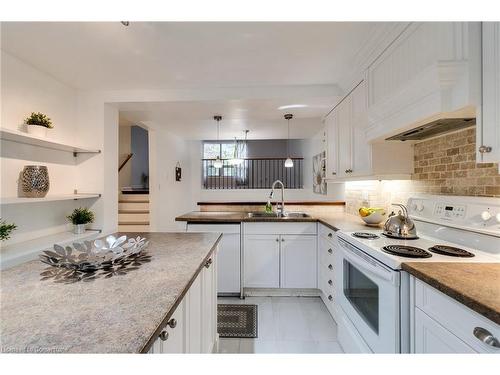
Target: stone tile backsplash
x: 442, y: 165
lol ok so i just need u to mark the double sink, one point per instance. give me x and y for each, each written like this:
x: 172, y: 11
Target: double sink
x: 261, y: 214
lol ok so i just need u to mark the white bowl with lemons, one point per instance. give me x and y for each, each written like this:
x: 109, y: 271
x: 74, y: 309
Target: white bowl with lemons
x: 372, y: 215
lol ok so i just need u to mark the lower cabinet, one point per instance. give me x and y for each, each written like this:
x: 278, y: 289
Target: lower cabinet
x: 193, y: 326
x: 280, y: 255
x: 443, y: 325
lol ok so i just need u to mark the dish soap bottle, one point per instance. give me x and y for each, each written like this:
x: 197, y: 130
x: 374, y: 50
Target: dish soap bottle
x: 269, y: 207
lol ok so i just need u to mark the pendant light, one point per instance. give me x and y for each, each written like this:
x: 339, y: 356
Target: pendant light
x: 218, y: 162
x: 288, y: 161
x: 238, y: 150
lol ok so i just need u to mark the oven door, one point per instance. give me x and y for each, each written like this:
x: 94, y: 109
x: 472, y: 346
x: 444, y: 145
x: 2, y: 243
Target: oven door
x: 369, y: 296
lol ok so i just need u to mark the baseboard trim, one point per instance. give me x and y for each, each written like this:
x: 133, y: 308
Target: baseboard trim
x: 280, y: 292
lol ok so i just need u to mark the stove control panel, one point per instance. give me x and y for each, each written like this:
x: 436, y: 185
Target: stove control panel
x: 450, y: 212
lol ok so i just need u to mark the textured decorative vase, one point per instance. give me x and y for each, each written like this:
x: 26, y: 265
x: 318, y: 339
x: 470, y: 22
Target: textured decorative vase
x: 37, y: 130
x: 79, y: 228
x: 35, y: 181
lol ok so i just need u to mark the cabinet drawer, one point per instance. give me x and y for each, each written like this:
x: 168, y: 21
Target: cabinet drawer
x: 327, y: 233
x: 455, y: 317
x: 280, y: 228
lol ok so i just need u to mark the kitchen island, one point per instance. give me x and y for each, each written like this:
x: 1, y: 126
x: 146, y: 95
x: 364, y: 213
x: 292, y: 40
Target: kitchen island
x: 123, y: 313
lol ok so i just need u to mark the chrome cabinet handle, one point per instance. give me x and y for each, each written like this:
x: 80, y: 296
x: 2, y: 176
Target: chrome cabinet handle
x: 172, y: 323
x: 330, y: 267
x: 330, y: 297
x: 330, y: 282
x: 484, y: 149
x: 208, y: 263
x: 486, y: 337
x: 164, y: 335
x: 330, y: 251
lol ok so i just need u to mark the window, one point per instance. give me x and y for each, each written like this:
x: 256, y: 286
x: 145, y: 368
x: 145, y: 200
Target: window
x: 253, y: 173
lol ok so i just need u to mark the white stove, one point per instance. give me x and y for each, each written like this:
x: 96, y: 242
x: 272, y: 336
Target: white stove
x: 372, y: 290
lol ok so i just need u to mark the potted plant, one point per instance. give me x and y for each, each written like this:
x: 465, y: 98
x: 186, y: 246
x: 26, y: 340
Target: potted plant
x: 80, y: 217
x: 6, y: 229
x: 38, y: 123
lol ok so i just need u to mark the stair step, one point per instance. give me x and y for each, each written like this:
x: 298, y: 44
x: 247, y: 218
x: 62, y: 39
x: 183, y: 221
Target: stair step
x: 133, y: 206
x: 138, y: 198
x: 133, y: 228
x: 134, y: 222
x: 133, y: 211
x: 126, y: 218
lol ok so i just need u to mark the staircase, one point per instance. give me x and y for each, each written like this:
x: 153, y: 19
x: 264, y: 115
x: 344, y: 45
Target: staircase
x: 133, y: 212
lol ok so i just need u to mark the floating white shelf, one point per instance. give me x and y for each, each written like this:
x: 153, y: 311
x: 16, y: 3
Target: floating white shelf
x: 21, y: 252
x: 48, y: 198
x: 20, y: 137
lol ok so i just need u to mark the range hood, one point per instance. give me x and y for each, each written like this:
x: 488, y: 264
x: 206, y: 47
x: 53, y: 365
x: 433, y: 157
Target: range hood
x: 433, y: 128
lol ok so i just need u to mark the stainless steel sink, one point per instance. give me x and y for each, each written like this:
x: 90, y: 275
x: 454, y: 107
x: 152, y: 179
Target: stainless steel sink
x: 262, y: 214
x: 274, y: 214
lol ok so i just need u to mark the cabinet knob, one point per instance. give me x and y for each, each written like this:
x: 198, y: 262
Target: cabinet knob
x: 172, y: 323
x: 330, y: 297
x: 330, y: 251
x: 208, y: 263
x: 277, y: 239
x: 484, y: 149
x: 164, y: 335
x: 282, y: 240
x: 486, y: 337
x: 330, y: 267
x: 334, y: 173
x: 330, y: 282
x: 330, y: 235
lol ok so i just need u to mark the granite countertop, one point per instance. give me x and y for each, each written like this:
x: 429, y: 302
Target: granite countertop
x: 119, y: 314
x: 476, y: 285
x: 337, y: 221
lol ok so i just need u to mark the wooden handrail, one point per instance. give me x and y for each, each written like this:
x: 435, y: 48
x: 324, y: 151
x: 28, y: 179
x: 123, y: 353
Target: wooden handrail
x: 129, y: 156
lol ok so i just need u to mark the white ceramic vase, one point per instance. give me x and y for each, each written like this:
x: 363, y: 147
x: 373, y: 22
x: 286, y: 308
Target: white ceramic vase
x: 37, y: 130
x: 79, y: 228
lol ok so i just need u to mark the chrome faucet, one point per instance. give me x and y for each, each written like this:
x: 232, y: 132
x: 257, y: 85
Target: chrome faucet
x: 280, y: 209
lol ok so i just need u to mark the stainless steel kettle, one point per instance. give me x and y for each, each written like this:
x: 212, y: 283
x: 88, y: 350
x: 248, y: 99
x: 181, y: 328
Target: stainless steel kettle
x: 400, y: 226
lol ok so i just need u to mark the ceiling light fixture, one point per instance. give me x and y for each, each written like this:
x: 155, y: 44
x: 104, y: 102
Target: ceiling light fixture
x: 239, y: 148
x: 218, y: 161
x: 291, y: 106
x: 288, y: 161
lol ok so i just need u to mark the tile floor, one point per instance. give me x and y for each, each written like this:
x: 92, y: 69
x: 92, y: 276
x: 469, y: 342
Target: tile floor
x: 286, y: 325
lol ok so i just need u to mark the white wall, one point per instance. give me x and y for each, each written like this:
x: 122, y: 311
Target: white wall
x: 124, y: 149
x: 168, y: 198
x: 25, y: 89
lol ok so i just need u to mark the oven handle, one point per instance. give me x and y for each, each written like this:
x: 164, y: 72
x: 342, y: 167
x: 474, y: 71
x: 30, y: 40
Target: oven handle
x: 365, y: 262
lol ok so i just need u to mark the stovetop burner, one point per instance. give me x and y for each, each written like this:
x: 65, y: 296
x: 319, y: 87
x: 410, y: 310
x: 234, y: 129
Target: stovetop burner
x: 406, y: 251
x: 365, y: 235
x: 450, y: 251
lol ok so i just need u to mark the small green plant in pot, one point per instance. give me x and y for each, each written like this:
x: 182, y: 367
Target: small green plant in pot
x: 6, y: 229
x: 80, y: 217
x: 38, y: 123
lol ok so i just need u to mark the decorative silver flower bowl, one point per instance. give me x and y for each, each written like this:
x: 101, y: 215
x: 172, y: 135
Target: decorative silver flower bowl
x: 112, y: 256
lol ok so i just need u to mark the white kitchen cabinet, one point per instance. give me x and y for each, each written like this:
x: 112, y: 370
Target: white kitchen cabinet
x: 262, y: 261
x: 228, y: 256
x: 298, y: 261
x: 280, y: 255
x: 443, y: 325
x: 488, y: 129
x: 432, y: 338
x: 428, y: 72
x: 192, y: 328
x: 351, y: 156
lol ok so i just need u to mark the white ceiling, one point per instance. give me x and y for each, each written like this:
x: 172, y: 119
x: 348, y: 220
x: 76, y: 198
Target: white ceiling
x: 179, y: 55
x: 146, y: 55
x: 194, y: 120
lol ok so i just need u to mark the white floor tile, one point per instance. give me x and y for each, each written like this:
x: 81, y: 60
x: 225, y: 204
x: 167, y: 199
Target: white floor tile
x: 286, y: 325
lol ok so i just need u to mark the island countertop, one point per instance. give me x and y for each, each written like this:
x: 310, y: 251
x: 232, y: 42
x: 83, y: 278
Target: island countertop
x: 119, y: 314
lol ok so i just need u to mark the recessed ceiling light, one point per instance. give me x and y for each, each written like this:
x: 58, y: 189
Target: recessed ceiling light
x: 291, y: 106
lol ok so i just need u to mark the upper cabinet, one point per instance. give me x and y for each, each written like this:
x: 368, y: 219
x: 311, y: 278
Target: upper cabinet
x: 488, y: 129
x: 350, y: 156
x: 430, y: 71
